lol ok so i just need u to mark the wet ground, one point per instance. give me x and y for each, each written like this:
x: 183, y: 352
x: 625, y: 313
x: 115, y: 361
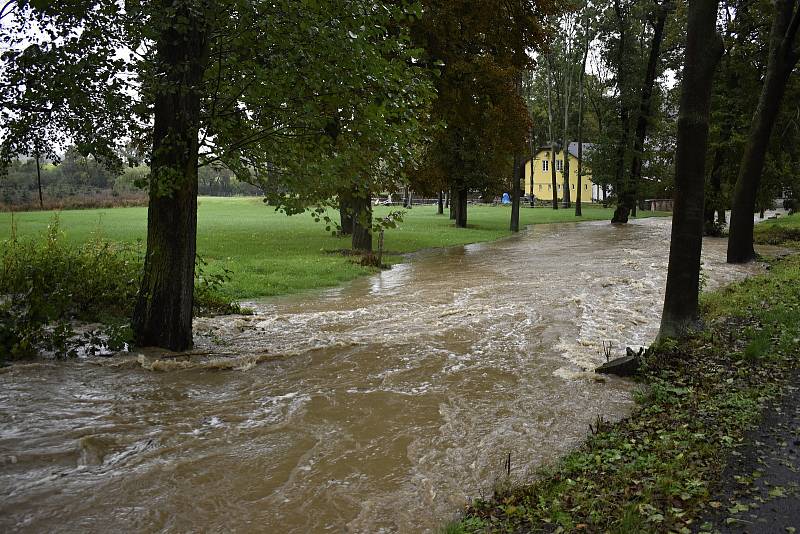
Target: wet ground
x: 381, y: 405
x: 760, y: 490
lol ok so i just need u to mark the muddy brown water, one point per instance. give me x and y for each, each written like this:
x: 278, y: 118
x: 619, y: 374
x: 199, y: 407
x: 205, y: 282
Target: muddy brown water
x: 379, y: 406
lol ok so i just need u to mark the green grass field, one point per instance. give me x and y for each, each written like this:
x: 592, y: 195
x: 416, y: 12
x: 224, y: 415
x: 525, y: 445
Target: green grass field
x: 272, y: 254
x: 781, y: 231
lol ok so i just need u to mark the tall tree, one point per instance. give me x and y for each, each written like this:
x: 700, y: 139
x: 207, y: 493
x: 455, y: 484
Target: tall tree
x: 551, y: 133
x: 784, y: 53
x: 569, y: 34
x: 645, y: 105
x: 703, y: 50
x: 516, y: 173
x: 248, y: 84
x: 622, y: 16
x: 628, y: 180
x: 481, y: 47
x: 581, y: 76
x: 163, y: 312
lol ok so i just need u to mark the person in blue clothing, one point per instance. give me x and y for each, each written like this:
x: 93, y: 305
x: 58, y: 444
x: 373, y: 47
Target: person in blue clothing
x: 506, y: 199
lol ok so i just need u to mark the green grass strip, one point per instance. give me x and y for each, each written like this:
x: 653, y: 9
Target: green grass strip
x: 270, y: 253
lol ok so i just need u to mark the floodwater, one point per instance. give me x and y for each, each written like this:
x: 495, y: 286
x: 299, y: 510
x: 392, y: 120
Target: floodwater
x: 380, y: 406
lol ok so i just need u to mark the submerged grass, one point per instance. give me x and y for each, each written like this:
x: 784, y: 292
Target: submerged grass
x: 653, y: 471
x: 269, y: 253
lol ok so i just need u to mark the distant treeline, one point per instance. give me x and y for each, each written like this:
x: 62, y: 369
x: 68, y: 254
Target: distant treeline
x: 82, y: 182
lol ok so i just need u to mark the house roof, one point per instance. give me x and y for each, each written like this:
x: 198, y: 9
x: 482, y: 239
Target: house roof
x: 573, y: 149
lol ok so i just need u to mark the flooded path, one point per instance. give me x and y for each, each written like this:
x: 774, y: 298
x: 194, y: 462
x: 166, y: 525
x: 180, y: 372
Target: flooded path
x: 382, y: 405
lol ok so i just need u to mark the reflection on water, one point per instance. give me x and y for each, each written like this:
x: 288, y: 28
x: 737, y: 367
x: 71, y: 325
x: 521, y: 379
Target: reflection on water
x: 379, y: 406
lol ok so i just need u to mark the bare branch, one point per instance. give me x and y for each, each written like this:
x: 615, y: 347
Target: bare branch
x: 9, y: 5
x: 791, y: 31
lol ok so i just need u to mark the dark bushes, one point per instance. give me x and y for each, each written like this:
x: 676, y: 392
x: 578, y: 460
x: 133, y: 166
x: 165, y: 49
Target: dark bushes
x: 48, y: 286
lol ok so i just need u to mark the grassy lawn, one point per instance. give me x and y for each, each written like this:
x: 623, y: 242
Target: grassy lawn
x: 272, y: 254
x: 780, y: 231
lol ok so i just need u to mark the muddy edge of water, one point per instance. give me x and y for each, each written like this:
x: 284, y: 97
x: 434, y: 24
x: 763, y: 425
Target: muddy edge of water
x: 381, y: 405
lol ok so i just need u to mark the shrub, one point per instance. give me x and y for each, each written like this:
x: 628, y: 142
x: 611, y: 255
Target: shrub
x: 47, y: 284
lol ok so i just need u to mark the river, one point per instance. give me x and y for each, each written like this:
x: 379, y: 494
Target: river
x: 379, y: 406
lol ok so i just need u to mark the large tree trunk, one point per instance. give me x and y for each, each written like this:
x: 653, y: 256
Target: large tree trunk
x: 440, y: 204
x: 621, y: 184
x: 515, y: 194
x: 632, y: 191
x: 163, y: 313
x: 453, y: 198
x: 703, y: 50
x: 362, y: 221
x: 461, y: 208
x: 345, y: 213
x: 782, y: 59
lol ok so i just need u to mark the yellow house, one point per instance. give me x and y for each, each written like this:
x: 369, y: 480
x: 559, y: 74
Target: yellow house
x: 542, y: 177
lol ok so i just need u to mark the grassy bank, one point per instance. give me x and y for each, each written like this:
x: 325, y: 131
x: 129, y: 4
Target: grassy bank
x: 654, y: 471
x: 782, y: 231
x: 272, y: 254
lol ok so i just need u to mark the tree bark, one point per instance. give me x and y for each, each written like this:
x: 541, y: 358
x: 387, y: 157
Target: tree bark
x: 621, y: 179
x: 532, y: 155
x: 782, y: 59
x: 632, y: 191
x: 453, y: 197
x: 515, y: 194
x: 552, y: 139
x: 362, y: 221
x: 565, y: 145
x: 713, y: 201
x: 39, y: 182
x: 163, y: 313
x: 553, y: 178
x: 578, y: 210
x: 703, y: 50
x: 578, y: 207
x: 345, y: 213
x: 461, y: 208
x: 440, y: 204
